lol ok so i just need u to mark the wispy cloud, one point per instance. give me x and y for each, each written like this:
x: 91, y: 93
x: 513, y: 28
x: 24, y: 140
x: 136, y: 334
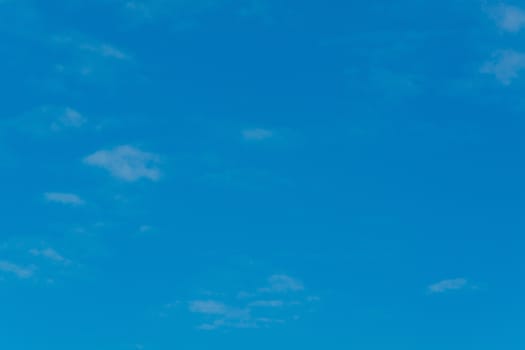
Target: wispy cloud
x: 127, y: 163
x: 230, y: 316
x: 93, y: 47
x: 17, y: 270
x: 505, y: 66
x: 267, y: 303
x: 88, y: 60
x: 282, y: 284
x: 448, y: 285
x: 50, y: 254
x: 46, y: 120
x: 257, y: 134
x: 260, y: 308
x: 64, y: 198
x: 209, y: 307
x: 104, y: 50
x: 68, y: 118
x: 509, y: 18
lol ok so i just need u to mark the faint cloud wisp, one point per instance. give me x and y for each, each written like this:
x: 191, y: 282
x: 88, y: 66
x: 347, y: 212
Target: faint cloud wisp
x: 509, y: 18
x: 276, y: 303
x: 448, y: 285
x: 505, y: 66
x: 256, y: 134
x: 17, y: 270
x: 49, y: 254
x: 64, y: 198
x: 127, y: 163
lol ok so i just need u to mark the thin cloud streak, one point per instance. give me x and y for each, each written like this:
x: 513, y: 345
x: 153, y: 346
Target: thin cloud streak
x: 64, y: 198
x: 448, y: 285
x: 17, y: 270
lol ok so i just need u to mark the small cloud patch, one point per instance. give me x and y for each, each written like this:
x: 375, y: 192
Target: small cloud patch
x: 49, y: 254
x: 17, y: 270
x: 257, y: 134
x: 505, y: 66
x: 64, y: 198
x: 127, y: 163
x: 448, y: 285
x: 509, y: 18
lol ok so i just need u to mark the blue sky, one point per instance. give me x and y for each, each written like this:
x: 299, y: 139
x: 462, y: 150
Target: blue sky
x: 232, y: 174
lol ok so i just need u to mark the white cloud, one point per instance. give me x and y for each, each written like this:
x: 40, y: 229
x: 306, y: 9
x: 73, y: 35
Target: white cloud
x: 448, y: 285
x: 105, y: 50
x: 257, y: 134
x: 509, y: 18
x: 208, y: 307
x: 225, y: 315
x: 19, y: 271
x: 91, y: 46
x: 283, y: 284
x: 68, y: 118
x: 50, y: 254
x: 267, y: 303
x: 505, y: 66
x: 251, y: 309
x: 64, y: 198
x: 43, y: 120
x: 127, y: 163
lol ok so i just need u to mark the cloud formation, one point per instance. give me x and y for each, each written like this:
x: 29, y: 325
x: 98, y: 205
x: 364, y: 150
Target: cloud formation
x: 127, y: 163
x: 49, y: 254
x: 282, y: 284
x: 105, y: 50
x: 93, y: 47
x: 17, y: 270
x: 47, y: 120
x: 260, y: 308
x: 509, y: 18
x: 64, y: 198
x: 448, y: 285
x: 68, y: 118
x: 267, y: 303
x: 257, y: 134
x: 506, y: 66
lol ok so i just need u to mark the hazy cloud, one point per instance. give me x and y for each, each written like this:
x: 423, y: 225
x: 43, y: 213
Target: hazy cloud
x: 17, y: 270
x: 91, y: 46
x: 45, y: 120
x: 505, y: 66
x: 283, y: 284
x: 509, y: 18
x: 50, y: 254
x: 448, y: 285
x: 267, y: 303
x: 257, y: 134
x: 105, y: 50
x: 64, y: 198
x: 252, y: 310
x: 127, y: 163
x: 68, y: 118
x: 208, y: 307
